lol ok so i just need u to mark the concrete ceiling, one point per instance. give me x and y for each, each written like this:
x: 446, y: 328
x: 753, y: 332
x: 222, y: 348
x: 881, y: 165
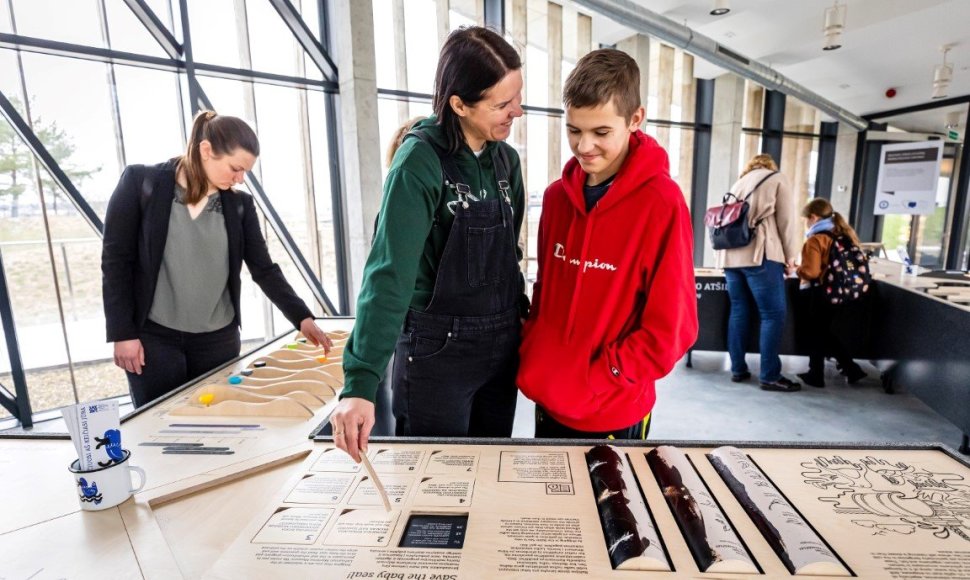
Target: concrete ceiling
x: 887, y: 44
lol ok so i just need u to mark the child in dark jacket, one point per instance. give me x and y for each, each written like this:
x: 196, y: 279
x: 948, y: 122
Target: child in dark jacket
x: 822, y: 223
x: 613, y: 306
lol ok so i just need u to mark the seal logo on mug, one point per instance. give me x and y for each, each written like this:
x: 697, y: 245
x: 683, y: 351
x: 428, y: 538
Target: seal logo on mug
x: 89, y: 492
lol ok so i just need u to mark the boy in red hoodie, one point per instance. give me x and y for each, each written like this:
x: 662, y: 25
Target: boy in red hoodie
x: 614, y: 305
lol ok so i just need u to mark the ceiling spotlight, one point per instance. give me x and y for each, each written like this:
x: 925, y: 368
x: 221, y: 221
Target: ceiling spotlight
x: 834, y: 26
x: 721, y: 7
x: 942, y: 75
x: 952, y: 120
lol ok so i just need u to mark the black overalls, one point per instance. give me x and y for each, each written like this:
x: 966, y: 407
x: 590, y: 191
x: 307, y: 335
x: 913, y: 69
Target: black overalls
x: 455, y: 362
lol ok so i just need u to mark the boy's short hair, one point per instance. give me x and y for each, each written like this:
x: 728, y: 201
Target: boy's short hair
x: 604, y: 75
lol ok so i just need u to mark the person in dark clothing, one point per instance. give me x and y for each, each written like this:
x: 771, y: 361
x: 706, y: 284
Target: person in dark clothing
x: 175, y: 237
x: 442, y: 289
x: 822, y: 222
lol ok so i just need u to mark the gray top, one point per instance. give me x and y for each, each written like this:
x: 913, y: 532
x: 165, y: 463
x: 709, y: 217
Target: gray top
x: 192, y: 294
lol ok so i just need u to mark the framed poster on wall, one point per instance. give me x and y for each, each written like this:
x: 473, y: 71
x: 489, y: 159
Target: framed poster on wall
x: 908, y: 178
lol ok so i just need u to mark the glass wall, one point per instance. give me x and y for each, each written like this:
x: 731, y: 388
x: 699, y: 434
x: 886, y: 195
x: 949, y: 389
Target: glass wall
x: 94, y: 118
x: 550, y: 37
x: 800, y: 139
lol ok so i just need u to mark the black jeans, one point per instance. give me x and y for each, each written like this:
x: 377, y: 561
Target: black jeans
x: 455, y: 377
x: 173, y: 358
x: 549, y: 428
x: 823, y: 339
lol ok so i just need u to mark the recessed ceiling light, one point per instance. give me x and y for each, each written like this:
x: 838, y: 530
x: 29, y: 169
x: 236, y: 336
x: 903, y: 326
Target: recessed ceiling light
x: 721, y: 7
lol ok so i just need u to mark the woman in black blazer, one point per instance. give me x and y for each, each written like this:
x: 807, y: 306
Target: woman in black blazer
x: 175, y: 237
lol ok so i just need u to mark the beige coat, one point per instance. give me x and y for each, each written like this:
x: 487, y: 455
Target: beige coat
x: 779, y: 235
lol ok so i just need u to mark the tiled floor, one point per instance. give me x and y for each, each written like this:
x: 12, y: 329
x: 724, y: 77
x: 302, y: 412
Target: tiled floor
x: 701, y: 403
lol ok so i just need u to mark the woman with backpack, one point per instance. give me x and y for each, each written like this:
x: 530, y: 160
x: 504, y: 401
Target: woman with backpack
x: 757, y: 270
x: 442, y: 290
x: 828, y: 247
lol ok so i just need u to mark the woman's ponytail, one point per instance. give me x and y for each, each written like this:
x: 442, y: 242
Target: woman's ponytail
x: 191, y: 163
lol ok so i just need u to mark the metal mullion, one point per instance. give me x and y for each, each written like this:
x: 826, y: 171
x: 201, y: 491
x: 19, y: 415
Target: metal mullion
x: 310, y: 200
x: 291, y: 17
x: 194, y: 88
x: 495, y: 15
x: 69, y: 50
x: 156, y: 28
x: 225, y: 72
x: 112, y: 88
x: 336, y: 177
x: 21, y: 408
x: 669, y: 123
x: 701, y: 166
x: 57, y: 48
x: 9, y: 402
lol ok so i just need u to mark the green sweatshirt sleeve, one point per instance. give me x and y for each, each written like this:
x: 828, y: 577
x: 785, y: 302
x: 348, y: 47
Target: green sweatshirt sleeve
x: 411, y: 193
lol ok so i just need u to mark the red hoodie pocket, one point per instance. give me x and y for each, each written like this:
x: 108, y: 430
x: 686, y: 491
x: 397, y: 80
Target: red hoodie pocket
x: 605, y: 375
x: 558, y: 376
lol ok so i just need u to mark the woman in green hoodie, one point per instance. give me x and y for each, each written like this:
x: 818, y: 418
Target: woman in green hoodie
x: 442, y: 288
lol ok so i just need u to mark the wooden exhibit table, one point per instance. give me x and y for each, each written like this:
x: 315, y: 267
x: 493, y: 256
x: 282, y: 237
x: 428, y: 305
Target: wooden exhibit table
x: 917, y: 324
x: 494, y: 509
x: 240, y: 485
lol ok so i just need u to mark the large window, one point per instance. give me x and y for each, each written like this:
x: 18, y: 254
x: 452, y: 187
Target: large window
x: 94, y: 117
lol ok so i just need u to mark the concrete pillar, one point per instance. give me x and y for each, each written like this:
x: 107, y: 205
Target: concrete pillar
x: 665, y: 92
x: 360, y: 136
x: 638, y: 47
x: 444, y: 20
x: 796, y: 154
x: 400, y: 59
x: 687, y: 92
x: 845, y: 149
x: 725, y: 136
x: 554, y: 52
x: 584, y: 35
x: 517, y: 22
x: 753, y: 115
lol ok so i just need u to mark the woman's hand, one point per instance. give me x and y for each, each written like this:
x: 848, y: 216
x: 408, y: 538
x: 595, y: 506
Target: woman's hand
x: 130, y: 355
x: 313, y: 334
x: 352, y: 422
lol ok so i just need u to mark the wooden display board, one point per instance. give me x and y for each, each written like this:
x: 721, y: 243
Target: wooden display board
x: 522, y: 510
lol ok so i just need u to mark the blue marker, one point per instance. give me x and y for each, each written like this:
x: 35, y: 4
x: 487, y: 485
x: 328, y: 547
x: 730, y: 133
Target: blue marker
x: 235, y: 380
